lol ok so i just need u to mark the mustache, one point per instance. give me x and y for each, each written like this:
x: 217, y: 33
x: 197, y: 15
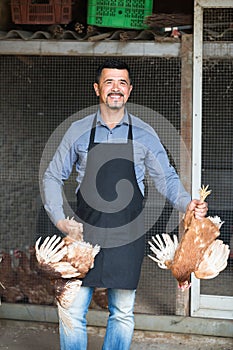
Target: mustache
x: 115, y: 93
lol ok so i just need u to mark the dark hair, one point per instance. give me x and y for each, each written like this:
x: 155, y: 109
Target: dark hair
x: 112, y: 63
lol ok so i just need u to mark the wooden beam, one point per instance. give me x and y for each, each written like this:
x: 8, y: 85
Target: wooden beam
x: 182, y: 298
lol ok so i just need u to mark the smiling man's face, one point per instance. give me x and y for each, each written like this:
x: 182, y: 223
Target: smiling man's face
x: 114, y: 87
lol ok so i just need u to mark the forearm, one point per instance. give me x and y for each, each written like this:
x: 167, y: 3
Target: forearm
x: 167, y: 183
x: 165, y: 178
x: 178, y: 196
x: 57, y: 172
x: 53, y: 200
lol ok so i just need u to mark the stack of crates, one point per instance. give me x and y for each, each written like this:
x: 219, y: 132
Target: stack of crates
x: 41, y: 11
x: 119, y: 13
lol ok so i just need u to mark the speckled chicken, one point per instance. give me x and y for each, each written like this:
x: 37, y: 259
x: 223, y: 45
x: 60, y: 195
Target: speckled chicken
x: 65, y: 261
x: 198, y: 251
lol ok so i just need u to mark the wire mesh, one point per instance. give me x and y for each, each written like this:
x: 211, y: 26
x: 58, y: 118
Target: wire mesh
x: 37, y: 94
x: 217, y: 24
x: 217, y: 143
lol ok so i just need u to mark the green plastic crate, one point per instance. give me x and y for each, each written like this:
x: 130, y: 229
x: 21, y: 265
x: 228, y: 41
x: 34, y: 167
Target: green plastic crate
x: 119, y: 13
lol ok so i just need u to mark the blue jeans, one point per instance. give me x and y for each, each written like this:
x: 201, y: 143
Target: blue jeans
x: 120, y: 324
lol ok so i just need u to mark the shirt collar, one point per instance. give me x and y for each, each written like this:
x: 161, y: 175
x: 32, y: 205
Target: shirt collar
x: 124, y: 120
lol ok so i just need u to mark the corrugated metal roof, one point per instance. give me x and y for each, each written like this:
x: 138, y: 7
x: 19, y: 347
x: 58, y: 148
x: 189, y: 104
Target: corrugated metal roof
x: 121, y: 35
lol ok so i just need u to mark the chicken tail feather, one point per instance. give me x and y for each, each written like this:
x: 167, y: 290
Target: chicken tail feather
x: 164, y: 250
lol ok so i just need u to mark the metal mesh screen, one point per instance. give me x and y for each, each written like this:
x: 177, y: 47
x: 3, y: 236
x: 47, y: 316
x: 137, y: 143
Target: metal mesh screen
x: 37, y: 94
x: 217, y: 24
x: 217, y: 131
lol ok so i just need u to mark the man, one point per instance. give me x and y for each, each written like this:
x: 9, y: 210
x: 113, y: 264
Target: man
x: 111, y: 151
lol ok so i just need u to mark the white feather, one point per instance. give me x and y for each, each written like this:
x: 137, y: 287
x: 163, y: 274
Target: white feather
x: 65, y: 269
x: 71, y: 289
x: 214, y: 260
x: 165, y: 249
x: 51, y: 250
x: 64, y: 317
x: 216, y: 221
x: 86, y: 245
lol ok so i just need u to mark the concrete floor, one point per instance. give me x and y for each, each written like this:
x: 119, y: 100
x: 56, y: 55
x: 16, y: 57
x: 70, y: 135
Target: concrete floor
x: 17, y: 335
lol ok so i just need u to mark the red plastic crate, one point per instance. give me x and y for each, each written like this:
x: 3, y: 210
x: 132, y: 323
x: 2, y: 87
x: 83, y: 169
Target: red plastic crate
x: 41, y: 11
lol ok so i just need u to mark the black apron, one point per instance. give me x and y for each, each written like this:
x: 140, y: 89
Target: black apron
x: 112, y: 216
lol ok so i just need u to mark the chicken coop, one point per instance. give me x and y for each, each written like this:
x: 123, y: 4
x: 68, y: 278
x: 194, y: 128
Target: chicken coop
x: 183, y: 87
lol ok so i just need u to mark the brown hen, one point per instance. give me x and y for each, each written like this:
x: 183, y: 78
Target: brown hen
x: 35, y: 288
x: 65, y: 261
x: 100, y: 298
x: 9, y: 289
x: 198, y: 251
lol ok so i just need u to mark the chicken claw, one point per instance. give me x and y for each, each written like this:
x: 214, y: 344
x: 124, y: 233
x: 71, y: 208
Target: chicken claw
x: 204, y: 193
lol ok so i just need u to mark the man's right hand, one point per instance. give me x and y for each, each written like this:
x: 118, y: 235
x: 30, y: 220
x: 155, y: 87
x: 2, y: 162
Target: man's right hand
x: 71, y: 227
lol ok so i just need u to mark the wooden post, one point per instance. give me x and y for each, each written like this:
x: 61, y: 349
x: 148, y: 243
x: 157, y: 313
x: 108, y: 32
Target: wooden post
x: 182, y: 298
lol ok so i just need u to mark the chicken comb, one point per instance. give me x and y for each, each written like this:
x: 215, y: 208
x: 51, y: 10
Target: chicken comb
x: 204, y: 193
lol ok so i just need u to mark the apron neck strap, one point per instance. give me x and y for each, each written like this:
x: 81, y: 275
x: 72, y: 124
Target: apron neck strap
x: 93, y: 128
